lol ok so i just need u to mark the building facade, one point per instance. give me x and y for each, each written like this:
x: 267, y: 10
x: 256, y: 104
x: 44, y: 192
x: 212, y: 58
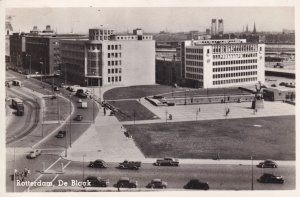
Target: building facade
x: 223, y: 63
x: 109, y: 59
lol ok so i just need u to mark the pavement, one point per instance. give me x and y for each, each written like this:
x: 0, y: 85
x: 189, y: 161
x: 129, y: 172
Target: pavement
x: 104, y: 139
x: 213, y: 111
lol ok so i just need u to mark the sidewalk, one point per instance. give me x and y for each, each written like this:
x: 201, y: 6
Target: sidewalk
x: 104, y: 140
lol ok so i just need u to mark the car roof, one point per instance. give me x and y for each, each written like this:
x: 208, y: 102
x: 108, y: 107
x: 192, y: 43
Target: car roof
x: 91, y: 177
x: 124, y: 179
x: 99, y: 160
x: 156, y: 180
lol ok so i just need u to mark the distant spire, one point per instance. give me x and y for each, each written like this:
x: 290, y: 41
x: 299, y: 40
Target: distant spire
x: 254, y: 29
x: 247, y: 28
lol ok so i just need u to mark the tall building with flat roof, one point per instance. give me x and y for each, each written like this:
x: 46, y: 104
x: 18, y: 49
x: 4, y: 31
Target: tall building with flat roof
x: 223, y: 63
x: 109, y: 59
x: 214, y: 27
x: 220, y: 26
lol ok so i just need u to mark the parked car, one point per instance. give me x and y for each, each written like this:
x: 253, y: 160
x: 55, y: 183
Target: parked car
x: 196, y: 184
x: 267, y: 164
x: 97, y: 181
x: 270, y: 178
x: 130, y: 165
x: 61, y: 134
x: 167, y: 161
x: 33, y: 154
x: 99, y: 163
x: 273, y: 85
x: 157, y: 183
x: 125, y: 182
x: 283, y: 84
x: 78, y: 118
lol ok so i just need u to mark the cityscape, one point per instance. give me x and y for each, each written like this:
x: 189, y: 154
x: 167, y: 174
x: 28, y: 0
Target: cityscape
x: 123, y: 103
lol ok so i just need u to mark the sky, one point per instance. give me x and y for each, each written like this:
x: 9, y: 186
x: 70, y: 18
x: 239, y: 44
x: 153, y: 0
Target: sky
x: 152, y: 20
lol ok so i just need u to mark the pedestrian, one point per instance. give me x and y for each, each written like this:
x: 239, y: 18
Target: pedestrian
x: 26, y: 172
x: 17, y: 174
x: 22, y: 176
x: 104, y: 111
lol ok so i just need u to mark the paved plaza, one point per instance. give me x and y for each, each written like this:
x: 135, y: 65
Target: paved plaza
x: 214, y: 111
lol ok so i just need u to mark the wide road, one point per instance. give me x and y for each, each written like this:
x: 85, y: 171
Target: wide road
x: 219, y: 176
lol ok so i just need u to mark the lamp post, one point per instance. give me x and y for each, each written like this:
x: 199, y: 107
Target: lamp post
x: 14, y: 165
x: 28, y: 55
x: 83, y: 169
x: 70, y: 122
x: 252, y: 173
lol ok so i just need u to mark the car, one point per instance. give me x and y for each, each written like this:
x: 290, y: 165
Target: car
x: 125, y: 182
x: 167, y: 161
x: 283, y: 84
x: 97, y: 181
x: 99, y: 163
x: 196, y: 184
x: 270, y: 178
x: 79, y: 101
x: 61, y: 134
x: 55, y: 88
x: 273, y: 85
x: 267, y: 164
x: 157, y: 183
x: 33, y: 154
x: 135, y: 165
x: 78, y: 118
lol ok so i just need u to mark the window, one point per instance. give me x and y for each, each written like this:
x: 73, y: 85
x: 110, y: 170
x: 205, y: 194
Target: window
x: 112, y: 79
x: 116, y: 55
x: 120, y: 62
x: 116, y: 70
x: 112, y: 71
x: 112, y: 63
x: 120, y: 78
x: 108, y: 55
x: 108, y: 71
x: 112, y: 47
x: 116, y: 47
x: 108, y: 79
x: 116, y: 62
x: 116, y: 78
x: 108, y: 63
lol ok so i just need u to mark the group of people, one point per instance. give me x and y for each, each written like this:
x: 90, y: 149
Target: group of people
x: 21, y: 175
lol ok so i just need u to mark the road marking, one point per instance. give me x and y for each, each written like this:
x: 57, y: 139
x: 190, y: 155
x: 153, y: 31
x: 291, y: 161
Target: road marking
x: 59, y: 174
x: 27, y: 190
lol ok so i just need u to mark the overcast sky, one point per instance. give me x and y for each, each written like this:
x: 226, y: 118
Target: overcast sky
x: 152, y: 19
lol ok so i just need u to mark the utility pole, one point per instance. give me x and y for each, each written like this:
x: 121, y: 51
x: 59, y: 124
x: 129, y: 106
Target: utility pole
x: 66, y: 148
x: 252, y: 173
x: 70, y: 121
x: 83, y: 169
x: 14, y: 173
x: 43, y: 122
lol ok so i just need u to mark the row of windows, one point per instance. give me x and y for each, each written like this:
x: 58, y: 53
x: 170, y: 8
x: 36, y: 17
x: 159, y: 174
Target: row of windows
x: 132, y: 37
x: 93, y: 47
x: 99, y: 37
x: 221, y: 69
x: 194, y: 57
x: 234, y: 56
x: 240, y: 80
x: 194, y: 76
x: 190, y: 50
x: 114, y: 79
x: 235, y: 48
x: 114, y: 63
x: 239, y: 74
x: 218, y: 63
x: 192, y: 69
x: 102, y: 31
x: 114, y: 47
x: 114, y: 70
x: 114, y: 55
x: 193, y: 63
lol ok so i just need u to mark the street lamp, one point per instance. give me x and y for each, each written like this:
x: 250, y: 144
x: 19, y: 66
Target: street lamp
x: 14, y: 165
x: 70, y: 122
x: 252, y: 172
x: 83, y: 169
x: 29, y: 63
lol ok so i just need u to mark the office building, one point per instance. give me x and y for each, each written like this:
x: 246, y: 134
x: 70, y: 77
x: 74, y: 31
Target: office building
x: 220, y: 26
x: 109, y: 59
x: 214, y: 27
x: 223, y: 63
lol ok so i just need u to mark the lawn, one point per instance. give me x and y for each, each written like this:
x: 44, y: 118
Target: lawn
x: 268, y: 137
x: 132, y: 109
x: 134, y: 92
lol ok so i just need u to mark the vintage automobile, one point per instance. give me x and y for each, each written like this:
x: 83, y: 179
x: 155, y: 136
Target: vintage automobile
x: 157, y: 183
x: 196, y: 184
x: 99, y: 163
x: 167, y: 161
x: 270, y: 178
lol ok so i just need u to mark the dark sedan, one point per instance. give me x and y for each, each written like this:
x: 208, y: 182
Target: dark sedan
x: 98, y: 164
x: 97, y: 181
x: 267, y: 164
x: 196, y: 184
x: 270, y: 178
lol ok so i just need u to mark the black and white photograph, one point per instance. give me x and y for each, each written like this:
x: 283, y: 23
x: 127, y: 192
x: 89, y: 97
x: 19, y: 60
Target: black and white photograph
x: 148, y: 97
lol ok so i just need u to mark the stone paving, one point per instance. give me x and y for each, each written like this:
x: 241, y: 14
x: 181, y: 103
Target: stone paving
x: 214, y: 111
x: 105, y: 140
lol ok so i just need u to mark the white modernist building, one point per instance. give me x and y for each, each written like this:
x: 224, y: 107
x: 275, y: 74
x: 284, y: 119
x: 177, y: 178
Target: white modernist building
x: 109, y: 59
x: 223, y: 63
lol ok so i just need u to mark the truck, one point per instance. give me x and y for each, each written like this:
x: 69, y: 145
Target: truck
x: 18, y: 105
x: 134, y: 165
x: 167, y: 161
